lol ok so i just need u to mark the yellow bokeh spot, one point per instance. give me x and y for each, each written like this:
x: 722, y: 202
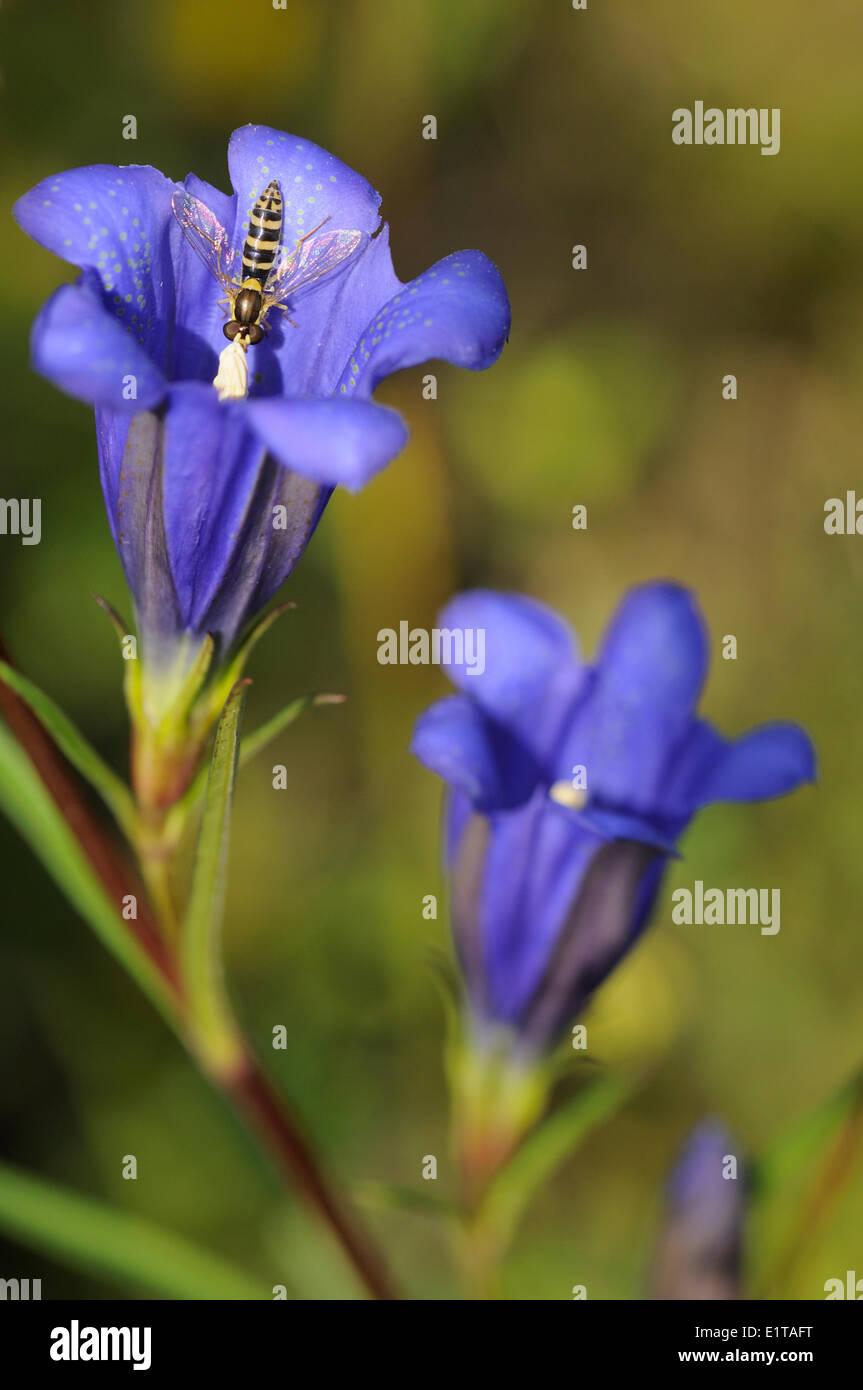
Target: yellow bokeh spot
x: 642, y: 1007
x: 218, y: 62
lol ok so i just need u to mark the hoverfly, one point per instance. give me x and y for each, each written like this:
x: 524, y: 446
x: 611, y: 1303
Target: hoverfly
x: 264, y: 274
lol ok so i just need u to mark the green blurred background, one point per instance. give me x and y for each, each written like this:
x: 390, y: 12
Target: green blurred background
x: 554, y: 128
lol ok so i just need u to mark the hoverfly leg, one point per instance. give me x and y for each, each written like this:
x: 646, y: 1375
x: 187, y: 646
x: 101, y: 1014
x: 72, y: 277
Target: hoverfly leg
x: 282, y: 308
x: 314, y: 229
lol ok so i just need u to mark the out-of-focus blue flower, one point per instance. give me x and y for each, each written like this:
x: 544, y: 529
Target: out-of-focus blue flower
x: 190, y: 482
x: 552, y: 882
x: 699, y: 1253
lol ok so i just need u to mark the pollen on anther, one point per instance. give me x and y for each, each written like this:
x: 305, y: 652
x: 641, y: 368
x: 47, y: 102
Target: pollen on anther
x: 565, y: 794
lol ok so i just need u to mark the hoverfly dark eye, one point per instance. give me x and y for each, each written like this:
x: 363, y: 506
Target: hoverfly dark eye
x: 255, y: 333
x: 231, y: 329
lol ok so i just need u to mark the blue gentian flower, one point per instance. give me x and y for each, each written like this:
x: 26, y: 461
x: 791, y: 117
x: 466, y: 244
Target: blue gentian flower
x: 553, y: 881
x: 699, y: 1254
x: 191, y: 482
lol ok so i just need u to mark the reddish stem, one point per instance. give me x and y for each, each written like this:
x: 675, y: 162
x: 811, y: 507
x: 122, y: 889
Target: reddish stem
x: 255, y: 1100
x: 109, y: 864
x: 249, y: 1092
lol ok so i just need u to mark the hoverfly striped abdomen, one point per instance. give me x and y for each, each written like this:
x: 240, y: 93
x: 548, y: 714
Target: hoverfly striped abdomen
x: 261, y: 275
x: 264, y: 234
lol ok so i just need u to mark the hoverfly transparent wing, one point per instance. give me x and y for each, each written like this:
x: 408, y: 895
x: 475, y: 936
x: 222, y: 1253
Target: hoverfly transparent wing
x: 207, y: 237
x: 310, y: 261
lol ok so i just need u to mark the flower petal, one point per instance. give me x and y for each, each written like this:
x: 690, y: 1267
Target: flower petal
x: 314, y: 184
x: 130, y: 463
x: 614, y: 899
x: 212, y: 461
x: 458, y: 311
x: 114, y: 219
x: 650, y: 670
x: 455, y: 739
x: 617, y: 825
x: 81, y: 347
x: 283, y: 512
x: 534, y: 867
x: 769, y: 761
x: 330, y: 441
x: 655, y: 651
x: 531, y: 668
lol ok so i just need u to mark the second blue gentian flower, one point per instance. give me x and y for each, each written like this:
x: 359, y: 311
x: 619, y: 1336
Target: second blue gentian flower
x: 570, y: 785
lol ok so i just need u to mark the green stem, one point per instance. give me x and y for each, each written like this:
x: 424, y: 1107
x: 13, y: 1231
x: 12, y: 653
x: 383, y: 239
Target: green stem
x: 214, y: 1033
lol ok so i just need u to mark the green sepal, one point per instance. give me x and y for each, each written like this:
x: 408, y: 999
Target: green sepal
x: 195, y: 679
x: 132, y: 671
x: 235, y: 669
x: 548, y: 1145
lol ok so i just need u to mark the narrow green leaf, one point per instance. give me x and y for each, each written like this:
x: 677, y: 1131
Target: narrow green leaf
x: 253, y: 743
x: 798, y: 1183
x: 382, y: 1196
x: 28, y: 804
x: 73, y: 745
x: 546, y: 1148
x: 250, y: 746
x: 214, y: 1032
x: 87, y: 1234
x: 788, y: 1158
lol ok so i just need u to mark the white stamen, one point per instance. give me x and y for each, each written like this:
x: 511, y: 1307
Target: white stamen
x: 232, y: 379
